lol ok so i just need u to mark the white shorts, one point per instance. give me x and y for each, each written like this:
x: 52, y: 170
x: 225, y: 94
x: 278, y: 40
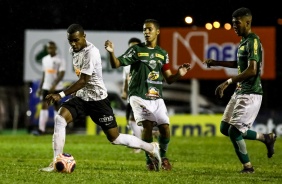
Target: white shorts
x: 242, y: 110
x: 152, y: 110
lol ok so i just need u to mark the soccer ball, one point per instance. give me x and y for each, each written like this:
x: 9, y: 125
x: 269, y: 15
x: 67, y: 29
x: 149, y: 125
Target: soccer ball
x: 65, y: 163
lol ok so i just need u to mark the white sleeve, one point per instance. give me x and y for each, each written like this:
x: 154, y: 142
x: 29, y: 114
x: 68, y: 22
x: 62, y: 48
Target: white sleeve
x: 126, y: 70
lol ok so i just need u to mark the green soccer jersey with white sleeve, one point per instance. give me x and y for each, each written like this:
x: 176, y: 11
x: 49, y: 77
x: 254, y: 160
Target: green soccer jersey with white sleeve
x: 146, y: 77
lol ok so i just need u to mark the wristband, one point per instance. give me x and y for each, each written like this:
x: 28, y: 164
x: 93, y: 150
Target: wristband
x: 229, y: 81
x: 62, y: 94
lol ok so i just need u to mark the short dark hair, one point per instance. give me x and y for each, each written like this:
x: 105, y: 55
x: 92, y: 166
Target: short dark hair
x: 51, y: 43
x: 242, y: 12
x: 74, y: 28
x: 154, y: 21
x: 137, y: 40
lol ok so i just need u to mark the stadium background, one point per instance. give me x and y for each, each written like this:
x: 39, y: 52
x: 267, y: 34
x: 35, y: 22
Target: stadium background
x: 122, y: 15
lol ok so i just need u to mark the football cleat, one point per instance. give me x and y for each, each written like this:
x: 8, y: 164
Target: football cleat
x: 165, y: 164
x: 248, y: 170
x: 50, y: 168
x: 269, y: 143
x: 155, y: 156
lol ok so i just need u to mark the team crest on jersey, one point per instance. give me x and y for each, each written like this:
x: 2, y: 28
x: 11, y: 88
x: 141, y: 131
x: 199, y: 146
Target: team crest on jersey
x: 153, y: 93
x: 152, y: 64
x: 153, y: 75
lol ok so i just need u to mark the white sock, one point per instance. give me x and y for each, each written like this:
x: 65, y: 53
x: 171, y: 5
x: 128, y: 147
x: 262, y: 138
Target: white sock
x: 43, y: 118
x: 133, y: 142
x: 137, y: 130
x: 59, y: 135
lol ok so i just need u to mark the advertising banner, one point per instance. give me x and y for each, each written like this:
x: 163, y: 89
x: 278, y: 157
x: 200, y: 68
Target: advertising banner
x: 35, y: 50
x: 195, y: 45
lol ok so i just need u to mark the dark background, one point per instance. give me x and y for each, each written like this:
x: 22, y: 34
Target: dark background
x: 126, y: 15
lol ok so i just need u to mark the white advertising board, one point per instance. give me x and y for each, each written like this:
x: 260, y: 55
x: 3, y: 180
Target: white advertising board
x: 35, y: 40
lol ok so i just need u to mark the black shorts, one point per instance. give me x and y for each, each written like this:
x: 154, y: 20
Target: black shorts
x: 100, y: 111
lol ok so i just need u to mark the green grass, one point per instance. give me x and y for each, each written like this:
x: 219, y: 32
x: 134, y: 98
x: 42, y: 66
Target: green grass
x: 195, y: 160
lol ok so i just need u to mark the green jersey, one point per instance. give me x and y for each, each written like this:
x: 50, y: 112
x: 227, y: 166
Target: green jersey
x: 146, y: 77
x: 249, y: 49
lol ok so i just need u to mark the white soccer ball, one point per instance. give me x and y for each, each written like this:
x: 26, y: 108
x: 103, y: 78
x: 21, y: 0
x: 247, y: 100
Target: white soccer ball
x: 65, y: 163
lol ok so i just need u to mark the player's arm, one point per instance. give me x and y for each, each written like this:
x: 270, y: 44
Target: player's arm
x: 212, y: 62
x: 250, y: 71
x: 109, y: 46
x: 80, y: 83
x: 171, y: 78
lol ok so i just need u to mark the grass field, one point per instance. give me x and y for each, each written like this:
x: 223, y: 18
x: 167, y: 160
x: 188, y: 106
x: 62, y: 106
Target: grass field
x: 194, y: 159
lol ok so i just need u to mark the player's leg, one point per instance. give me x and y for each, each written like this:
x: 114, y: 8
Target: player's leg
x: 224, y: 125
x: 244, y: 114
x: 144, y: 116
x: 43, y: 116
x: 137, y: 130
x: 102, y: 114
x: 70, y: 110
x: 240, y: 149
x: 131, y: 141
x: 163, y: 123
x: 268, y: 139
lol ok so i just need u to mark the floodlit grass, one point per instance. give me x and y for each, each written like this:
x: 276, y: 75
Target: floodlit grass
x: 195, y: 160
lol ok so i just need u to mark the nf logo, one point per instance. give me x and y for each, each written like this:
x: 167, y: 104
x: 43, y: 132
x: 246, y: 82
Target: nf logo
x: 192, y: 46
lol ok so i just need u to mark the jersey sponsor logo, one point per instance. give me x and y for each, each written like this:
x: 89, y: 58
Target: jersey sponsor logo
x: 153, y: 93
x: 153, y: 75
x: 143, y: 54
x: 145, y: 111
x: 51, y: 71
x: 106, y: 119
x: 255, y: 46
x: 160, y: 56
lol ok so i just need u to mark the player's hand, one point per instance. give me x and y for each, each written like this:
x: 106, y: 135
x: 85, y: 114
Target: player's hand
x: 109, y: 46
x: 209, y: 62
x: 220, y: 89
x: 51, y: 98
x: 183, y: 69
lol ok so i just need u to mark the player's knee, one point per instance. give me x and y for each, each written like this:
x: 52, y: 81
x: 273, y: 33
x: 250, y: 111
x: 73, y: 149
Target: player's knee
x: 59, y: 120
x: 224, y: 128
